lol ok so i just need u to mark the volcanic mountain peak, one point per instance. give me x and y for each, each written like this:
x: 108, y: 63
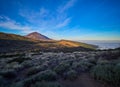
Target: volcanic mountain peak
x: 34, y: 33
x: 37, y: 36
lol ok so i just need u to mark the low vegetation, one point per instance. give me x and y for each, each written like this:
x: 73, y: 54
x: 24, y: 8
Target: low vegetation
x: 46, y: 69
x: 70, y: 75
x: 107, y: 72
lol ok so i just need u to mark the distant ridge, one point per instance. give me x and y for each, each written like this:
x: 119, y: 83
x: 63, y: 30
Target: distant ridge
x: 37, y: 36
x: 36, y: 41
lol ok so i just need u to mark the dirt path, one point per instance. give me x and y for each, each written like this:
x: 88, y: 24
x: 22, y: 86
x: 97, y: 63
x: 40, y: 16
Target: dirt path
x: 84, y: 80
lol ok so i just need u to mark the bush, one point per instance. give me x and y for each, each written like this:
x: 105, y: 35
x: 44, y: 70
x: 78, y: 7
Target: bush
x: 47, y: 75
x: 18, y: 84
x: 92, y: 60
x: 19, y: 60
x: 8, y: 73
x: 117, y: 75
x: 11, y: 55
x: 61, y: 68
x: 70, y: 75
x: 14, y: 65
x: 46, y: 84
x: 27, y: 64
x: 103, y: 72
x: 36, y: 84
x: 35, y: 70
x: 82, y: 66
x: 102, y: 62
x: 108, y: 73
x: 2, y: 82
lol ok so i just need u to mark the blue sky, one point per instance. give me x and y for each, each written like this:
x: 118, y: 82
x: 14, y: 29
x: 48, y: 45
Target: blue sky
x: 62, y: 19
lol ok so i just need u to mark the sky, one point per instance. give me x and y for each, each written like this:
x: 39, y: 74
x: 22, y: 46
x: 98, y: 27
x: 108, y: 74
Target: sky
x: 62, y: 19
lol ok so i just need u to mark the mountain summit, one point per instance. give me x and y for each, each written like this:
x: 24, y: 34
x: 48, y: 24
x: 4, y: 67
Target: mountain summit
x: 37, y: 36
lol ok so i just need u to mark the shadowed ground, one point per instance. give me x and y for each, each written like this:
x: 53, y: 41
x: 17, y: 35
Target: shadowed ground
x: 84, y: 80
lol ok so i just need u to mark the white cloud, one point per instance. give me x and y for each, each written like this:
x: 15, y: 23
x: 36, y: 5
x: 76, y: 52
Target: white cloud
x: 43, y: 12
x: 66, y: 6
x: 35, y: 17
x: 44, y: 20
x: 49, y: 19
x: 8, y: 23
x: 64, y: 23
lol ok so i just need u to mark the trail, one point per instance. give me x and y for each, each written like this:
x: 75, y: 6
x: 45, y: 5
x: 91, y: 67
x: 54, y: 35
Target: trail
x: 84, y: 80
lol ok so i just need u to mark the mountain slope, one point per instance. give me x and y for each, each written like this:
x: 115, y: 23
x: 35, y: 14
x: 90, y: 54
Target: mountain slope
x: 13, y: 42
x: 7, y: 36
x: 69, y: 43
x: 37, y: 36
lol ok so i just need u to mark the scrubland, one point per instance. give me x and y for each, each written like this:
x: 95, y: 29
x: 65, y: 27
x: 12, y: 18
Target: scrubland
x: 56, y: 69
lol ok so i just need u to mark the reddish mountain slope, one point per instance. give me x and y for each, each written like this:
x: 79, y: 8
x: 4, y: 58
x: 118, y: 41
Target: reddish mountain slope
x: 37, y: 36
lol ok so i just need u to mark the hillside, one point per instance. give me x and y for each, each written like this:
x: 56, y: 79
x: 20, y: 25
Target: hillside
x: 65, y: 43
x: 13, y: 42
x: 69, y: 43
x: 7, y: 36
